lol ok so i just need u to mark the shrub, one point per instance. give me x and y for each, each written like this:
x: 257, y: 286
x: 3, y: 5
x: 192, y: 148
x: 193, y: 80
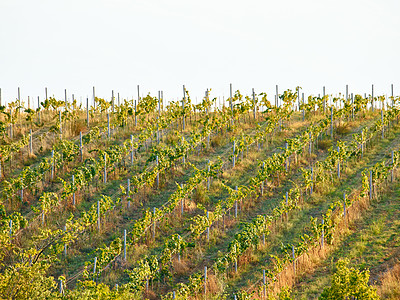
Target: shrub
x: 349, y: 283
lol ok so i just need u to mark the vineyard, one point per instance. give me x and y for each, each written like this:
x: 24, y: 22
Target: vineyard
x: 244, y: 198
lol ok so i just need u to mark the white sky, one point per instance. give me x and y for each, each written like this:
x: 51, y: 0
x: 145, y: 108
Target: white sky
x: 161, y: 45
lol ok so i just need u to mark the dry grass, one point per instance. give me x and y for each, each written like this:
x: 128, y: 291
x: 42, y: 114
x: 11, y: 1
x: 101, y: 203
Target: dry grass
x: 324, y: 144
x: 343, y: 129
x: 200, y: 195
x: 389, y: 287
x: 216, y: 141
x: 180, y: 267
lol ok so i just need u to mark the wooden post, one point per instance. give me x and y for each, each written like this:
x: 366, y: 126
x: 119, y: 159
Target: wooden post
x: 208, y: 228
x: 370, y: 185
x: 65, y: 97
x: 233, y: 156
x: 30, y: 142
x: 128, y: 192
x: 294, y: 260
x: 236, y: 204
x: 73, y: 195
x: 262, y: 183
x: 105, y: 169
x: 338, y: 164
x: 98, y: 215
x: 112, y: 101
x: 264, y: 285
x: 286, y: 203
x: 162, y: 99
x: 391, y: 173
x: 159, y: 103
x: 182, y: 202
x: 81, y: 145
x: 236, y: 265
x: 94, y: 98
x: 383, y: 126
x: 154, y: 223
x: 138, y: 94
x: 302, y: 100
x: 179, y: 253
x: 391, y: 86
x: 322, y: 234
x: 286, y: 160
x: 372, y: 100
x: 65, y: 244
x: 205, y: 282
x: 38, y: 105
x: 52, y: 165
x: 231, y: 102
x: 60, y: 286
x: 135, y: 115
x: 158, y: 174
x: 94, y: 265
x: 183, y: 156
x: 60, y: 120
x: 362, y: 144
x: 125, y: 245
x: 158, y: 131
x: 312, y: 180
x: 131, y: 149
x: 10, y: 225
x: 254, y: 104
x: 298, y: 98
x: 108, y: 125
x: 208, y: 177
x: 331, y: 123
x: 277, y: 97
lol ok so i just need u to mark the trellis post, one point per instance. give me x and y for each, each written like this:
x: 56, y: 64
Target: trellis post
x: 338, y: 164
x: 158, y: 174
x: 81, y: 145
x: 154, y: 223
x: 105, y: 169
x: 125, y: 245
x: 233, y: 156
x: 131, y: 149
x: 98, y: 215
x: 73, y: 194
x: 30, y: 142
x: 264, y: 285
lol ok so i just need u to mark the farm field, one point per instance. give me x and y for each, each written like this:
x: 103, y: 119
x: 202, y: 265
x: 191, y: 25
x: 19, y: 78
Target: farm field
x: 251, y: 198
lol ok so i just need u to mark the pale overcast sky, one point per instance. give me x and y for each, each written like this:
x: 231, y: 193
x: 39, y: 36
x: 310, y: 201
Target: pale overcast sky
x: 161, y: 45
